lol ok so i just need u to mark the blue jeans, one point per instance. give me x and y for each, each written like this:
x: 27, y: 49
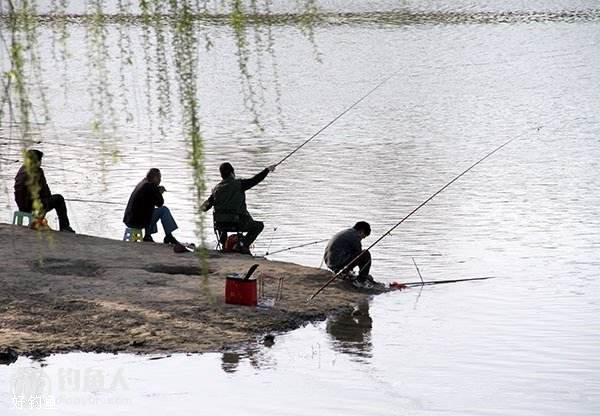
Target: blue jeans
x: 164, y: 215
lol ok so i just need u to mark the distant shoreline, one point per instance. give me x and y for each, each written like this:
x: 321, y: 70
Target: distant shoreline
x: 400, y: 17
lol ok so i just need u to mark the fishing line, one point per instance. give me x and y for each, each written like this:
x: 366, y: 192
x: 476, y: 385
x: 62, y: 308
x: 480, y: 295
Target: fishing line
x: 335, y: 276
x: 298, y: 246
x: 337, y: 118
x: 271, y: 240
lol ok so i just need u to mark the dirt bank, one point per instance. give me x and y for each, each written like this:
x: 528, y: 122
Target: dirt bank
x: 63, y: 292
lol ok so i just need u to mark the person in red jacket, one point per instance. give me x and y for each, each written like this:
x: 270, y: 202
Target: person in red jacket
x: 31, y: 187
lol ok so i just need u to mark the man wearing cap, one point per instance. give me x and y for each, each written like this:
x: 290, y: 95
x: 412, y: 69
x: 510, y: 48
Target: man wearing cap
x: 33, y: 194
x: 229, y: 199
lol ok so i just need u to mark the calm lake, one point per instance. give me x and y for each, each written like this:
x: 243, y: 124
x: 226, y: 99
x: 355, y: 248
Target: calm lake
x: 469, y: 75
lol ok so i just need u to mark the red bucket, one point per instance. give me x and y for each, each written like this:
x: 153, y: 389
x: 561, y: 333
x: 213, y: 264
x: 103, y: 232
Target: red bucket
x: 241, y: 290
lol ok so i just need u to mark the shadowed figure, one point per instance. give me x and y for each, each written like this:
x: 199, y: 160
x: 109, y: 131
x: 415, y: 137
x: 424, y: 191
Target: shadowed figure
x: 146, y: 207
x: 229, y: 201
x: 342, y: 251
x: 31, y: 179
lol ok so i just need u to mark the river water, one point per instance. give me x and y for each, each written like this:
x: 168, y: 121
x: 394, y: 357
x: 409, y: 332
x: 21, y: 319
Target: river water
x: 524, y: 343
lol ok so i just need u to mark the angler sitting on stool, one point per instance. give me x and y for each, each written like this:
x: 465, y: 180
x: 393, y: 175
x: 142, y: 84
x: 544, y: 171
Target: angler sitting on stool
x: 229, y: 201
x: 344, y: 252
x: 146, y: 207
x: 31, y: 185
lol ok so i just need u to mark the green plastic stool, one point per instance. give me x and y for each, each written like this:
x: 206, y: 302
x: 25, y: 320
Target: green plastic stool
x: 132, y: 234
x: 18, y: 217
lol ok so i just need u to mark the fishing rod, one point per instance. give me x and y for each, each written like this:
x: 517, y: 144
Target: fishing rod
x: 326, y: 239
x: 436, y: 282
x: 91, y: 201
x: 418, y: 271
x: 271, y: 240
x: 298, y: 246
x: 335, y: 276
x: 336, y: 118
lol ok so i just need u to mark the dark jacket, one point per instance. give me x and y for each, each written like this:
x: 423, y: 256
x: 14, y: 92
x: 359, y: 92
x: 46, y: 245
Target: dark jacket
x: 23, y: 188
x: 342, y: 249
x: 229, y: 196
x: 142, y: 201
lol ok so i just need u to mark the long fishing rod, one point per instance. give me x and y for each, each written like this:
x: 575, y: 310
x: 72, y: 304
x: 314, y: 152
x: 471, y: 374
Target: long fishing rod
x: 91, y: 201
x: 337, y: 118
x: 437, y: 282
x: 326, y: 239
x: 298, y: 246
x: 335, y: 276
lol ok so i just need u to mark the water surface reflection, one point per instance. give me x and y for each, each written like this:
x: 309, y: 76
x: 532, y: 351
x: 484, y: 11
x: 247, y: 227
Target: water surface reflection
x: 351, y: 331
x: 258, y: 357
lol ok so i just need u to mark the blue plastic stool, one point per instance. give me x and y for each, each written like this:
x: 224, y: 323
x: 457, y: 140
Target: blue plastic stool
x: 132, y: 234
x: 18, y: 217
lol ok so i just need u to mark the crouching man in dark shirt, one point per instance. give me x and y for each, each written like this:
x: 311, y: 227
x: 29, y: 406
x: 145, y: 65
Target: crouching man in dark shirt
x: 146, y: 207
x: 31, y: 187
x: 344, y: 253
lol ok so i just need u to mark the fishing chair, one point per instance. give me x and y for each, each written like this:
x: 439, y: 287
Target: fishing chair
x: 133, y: 234
x: 19, y: 216
x: 223, y: 223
